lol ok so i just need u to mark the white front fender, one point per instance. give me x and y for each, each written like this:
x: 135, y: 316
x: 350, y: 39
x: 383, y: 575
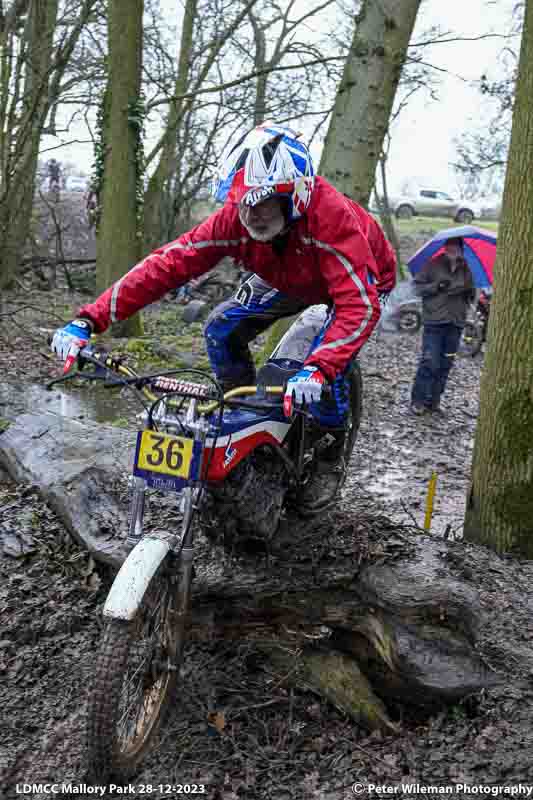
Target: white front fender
x: 133, y: 578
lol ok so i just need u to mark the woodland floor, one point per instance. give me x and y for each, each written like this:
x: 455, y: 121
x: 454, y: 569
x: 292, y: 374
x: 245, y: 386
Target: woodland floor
x: 276, y: 743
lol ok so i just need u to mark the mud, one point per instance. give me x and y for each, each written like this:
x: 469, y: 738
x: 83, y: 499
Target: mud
x: 396, y: 453
x: 274, y: 742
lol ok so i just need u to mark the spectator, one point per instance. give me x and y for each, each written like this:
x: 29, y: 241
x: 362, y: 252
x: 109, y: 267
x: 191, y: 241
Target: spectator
x: 54, y: 175
x: 483, y: 310
x: 446, y: 287
x: 91, y: 205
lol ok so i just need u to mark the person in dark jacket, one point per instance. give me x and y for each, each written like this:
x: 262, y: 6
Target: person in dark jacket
x: 446, y: 287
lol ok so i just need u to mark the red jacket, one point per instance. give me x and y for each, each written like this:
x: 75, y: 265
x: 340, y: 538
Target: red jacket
x: 336, y: 253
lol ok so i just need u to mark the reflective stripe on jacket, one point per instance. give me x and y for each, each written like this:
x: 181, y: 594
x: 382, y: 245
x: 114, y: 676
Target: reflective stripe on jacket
x: 336, y: 253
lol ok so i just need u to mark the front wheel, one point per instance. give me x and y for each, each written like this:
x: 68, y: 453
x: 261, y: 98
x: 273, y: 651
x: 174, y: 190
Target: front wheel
x: 135, y: 678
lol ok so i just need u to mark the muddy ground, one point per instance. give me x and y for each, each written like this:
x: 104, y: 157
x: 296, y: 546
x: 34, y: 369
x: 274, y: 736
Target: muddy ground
x: 276, y: 742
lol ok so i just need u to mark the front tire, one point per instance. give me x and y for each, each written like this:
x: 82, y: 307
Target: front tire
x: 135, y: 679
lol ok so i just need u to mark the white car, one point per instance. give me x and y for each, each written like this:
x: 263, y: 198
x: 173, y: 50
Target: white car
x: 435, y: 203
x: 76, y: 184
x: 491, y: 208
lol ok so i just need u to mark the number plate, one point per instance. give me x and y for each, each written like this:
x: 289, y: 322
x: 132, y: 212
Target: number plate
x: 165, y: 462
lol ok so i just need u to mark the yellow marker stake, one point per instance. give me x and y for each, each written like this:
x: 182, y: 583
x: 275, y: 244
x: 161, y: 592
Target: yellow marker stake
x: 429, y: 502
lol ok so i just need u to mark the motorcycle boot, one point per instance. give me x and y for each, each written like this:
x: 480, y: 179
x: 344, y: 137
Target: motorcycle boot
x: 328, y: 475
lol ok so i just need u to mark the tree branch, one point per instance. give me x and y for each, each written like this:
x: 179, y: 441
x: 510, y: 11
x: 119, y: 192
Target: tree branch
x: 251, y: 75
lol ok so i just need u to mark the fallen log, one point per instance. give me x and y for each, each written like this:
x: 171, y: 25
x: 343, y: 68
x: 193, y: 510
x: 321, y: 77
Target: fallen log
x: 352, y: 606
x: 401, y: 611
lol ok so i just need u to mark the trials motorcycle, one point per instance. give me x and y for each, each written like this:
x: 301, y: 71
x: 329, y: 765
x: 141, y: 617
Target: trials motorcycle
x: 237, y: 465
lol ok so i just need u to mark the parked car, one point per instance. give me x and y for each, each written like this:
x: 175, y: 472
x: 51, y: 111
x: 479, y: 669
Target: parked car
x: 491, y: 208
x: 76, y: 184
x: 434, y: 203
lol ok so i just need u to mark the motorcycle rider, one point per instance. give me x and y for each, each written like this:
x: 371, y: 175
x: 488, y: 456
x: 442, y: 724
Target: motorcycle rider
x: 305, y: 243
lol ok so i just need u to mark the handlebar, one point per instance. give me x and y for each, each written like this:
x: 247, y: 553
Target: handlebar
x: 166, y: 384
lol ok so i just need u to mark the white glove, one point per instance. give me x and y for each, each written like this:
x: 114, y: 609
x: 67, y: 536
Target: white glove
x: 68, y: 341
x: 303, y: 388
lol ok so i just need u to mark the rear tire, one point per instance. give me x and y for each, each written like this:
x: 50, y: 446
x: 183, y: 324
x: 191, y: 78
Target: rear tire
x: 352, y: 428
x: 472, y: 339
x: 405, y: 212
x: 465, y: 216
x: 410, y: 321
x: 135, y: 670
x: 247, y: 506
x: 356, y: 409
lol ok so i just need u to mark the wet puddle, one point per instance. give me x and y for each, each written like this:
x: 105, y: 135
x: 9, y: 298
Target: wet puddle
x: 391, y: 484
x: 94, y: 403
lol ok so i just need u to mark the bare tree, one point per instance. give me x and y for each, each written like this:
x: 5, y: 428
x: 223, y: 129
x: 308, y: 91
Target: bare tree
x: 500, y: 504
x: 482, y: 154
x: 260, y: 40
x: 37, y: 40
x: 366, y: 95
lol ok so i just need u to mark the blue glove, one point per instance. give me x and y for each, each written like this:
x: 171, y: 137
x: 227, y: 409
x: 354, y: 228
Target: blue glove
x: 68, y: 341
x: 303, y: 389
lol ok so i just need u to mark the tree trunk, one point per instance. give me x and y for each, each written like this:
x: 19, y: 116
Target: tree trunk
x: 158, y: 195
x: 259, y: 65
x: 386, y: 217
x: 500, y: 504
x: 18, y: 187
x: 120, y: 230
x: 366, y: 95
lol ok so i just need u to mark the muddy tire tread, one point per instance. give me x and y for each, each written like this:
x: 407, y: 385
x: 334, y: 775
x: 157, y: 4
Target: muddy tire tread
x: 103, y: 706
x: 104, y: 760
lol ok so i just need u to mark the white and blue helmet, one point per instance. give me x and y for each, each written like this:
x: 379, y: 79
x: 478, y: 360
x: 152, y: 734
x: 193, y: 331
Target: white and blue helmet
x: 268, y: 161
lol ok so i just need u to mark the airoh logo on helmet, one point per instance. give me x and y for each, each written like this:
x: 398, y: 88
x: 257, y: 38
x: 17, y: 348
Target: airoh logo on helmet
x: 255, y: 196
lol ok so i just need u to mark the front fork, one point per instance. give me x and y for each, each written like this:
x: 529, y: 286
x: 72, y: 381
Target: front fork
x: 180, y: 577
x: 181, y: 550
x: 138, y: 500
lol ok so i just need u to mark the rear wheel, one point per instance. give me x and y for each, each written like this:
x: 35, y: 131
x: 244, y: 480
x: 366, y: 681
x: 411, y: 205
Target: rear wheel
x: 465, y: 216
x: 472, y: 339
x: 355, y: 410
x: 247, y: 505
x: 409, y: 321
x: 135, y: 678
x: 353, y: 421
x: 404, y: 212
